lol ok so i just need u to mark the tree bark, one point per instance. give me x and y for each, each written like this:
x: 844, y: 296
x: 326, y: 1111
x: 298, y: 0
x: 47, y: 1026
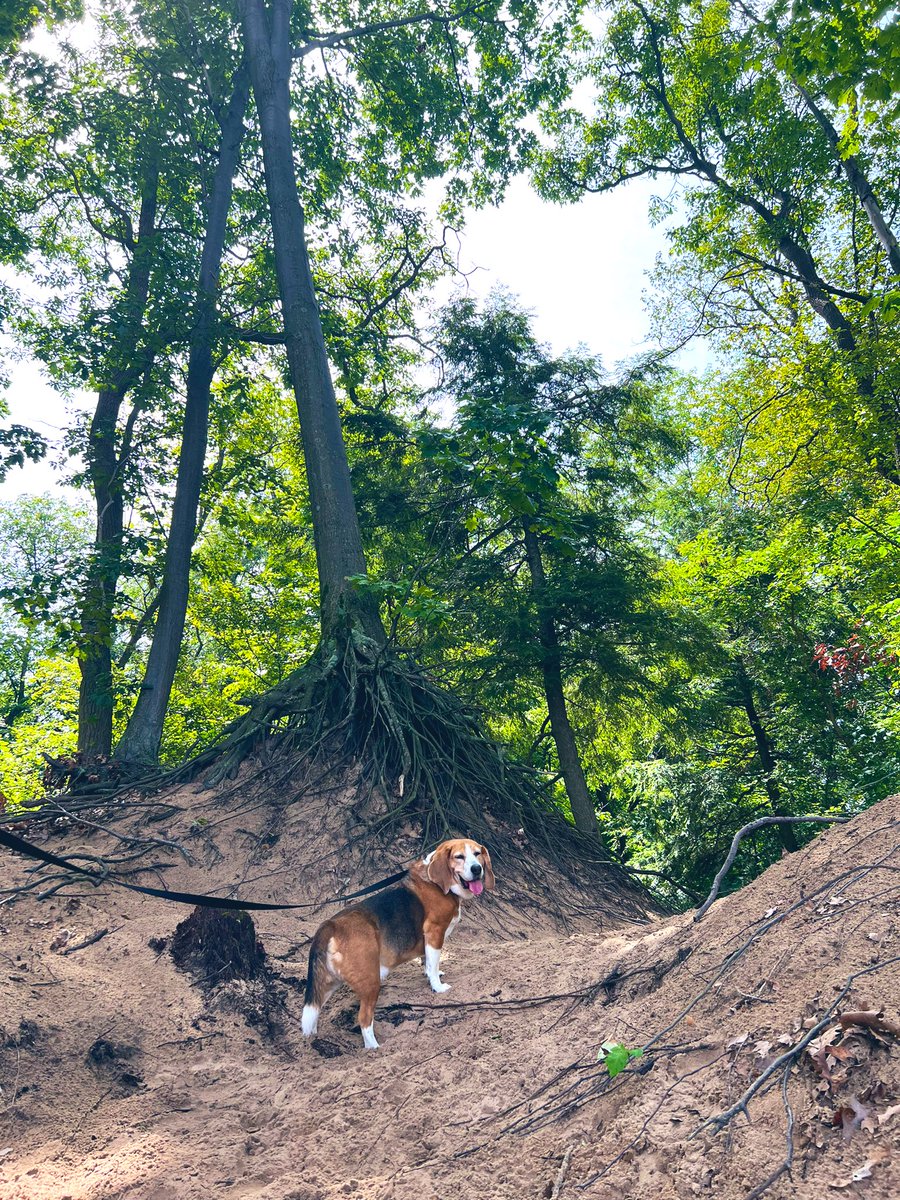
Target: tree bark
x: 106, y: 461
x: 339, y: 549
x: 766, y: 753
x: 140, y: 742
x: 580, y: 799
x: 858, y: 181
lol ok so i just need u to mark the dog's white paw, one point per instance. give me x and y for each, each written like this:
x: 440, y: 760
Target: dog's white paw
x: 440, y: 987
x: 368, y: 1032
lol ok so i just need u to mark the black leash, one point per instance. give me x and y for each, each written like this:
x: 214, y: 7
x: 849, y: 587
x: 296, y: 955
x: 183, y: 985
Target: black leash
x: 12, y: 842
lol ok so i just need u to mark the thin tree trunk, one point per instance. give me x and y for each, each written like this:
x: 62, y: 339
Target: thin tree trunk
x: 339, y: 549
x: 580, y: 799
x: 140, y: 742
x: 858, y: 181
x: 105, y: 468
x: 766, y: 753
x: 854, y: 173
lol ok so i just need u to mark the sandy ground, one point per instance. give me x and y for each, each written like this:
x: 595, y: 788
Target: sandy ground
x: 121, y: 1078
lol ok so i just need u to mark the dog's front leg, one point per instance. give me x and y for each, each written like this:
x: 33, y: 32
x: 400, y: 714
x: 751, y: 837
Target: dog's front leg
x: 432, y: 963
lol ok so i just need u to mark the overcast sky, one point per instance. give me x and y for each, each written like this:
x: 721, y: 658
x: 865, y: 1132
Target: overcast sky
x: 581, y: 269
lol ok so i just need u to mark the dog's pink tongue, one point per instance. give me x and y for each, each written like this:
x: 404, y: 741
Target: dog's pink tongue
x: 476, y: 887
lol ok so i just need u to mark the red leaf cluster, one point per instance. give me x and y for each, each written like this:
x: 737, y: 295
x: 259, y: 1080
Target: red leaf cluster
x: 849, y: 664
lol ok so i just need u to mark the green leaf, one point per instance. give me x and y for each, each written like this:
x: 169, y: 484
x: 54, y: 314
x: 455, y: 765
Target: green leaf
x: 615, y: 1056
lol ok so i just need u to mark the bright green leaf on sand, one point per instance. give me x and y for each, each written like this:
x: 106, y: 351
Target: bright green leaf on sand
x: 616, y: 1057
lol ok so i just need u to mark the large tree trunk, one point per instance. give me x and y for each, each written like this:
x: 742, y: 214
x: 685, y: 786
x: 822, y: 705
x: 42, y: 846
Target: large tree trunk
x: 106, y: 461
x: 95, y: 697
x: 140, y: 742
x: 766, y: 753
x: 580, y: 799
x: 339, y: 550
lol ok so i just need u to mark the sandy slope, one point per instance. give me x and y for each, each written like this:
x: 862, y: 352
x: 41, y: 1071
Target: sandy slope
x: 120, y: 1080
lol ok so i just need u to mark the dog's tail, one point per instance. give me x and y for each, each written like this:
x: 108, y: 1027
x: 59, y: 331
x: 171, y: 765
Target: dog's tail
x: 314, y: 956
x: 316, y: 983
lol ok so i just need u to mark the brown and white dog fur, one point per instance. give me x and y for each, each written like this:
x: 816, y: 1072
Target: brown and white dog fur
x: 363, y: 944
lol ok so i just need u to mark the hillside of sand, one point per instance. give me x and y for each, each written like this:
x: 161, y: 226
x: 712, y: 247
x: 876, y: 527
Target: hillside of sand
x: 770, y: 1028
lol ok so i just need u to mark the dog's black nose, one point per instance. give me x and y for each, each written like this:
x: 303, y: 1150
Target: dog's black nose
x: 476, y: 871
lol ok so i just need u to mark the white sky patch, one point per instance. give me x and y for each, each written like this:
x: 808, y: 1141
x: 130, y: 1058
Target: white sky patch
x: 579, y: 268
x: 34, y: 403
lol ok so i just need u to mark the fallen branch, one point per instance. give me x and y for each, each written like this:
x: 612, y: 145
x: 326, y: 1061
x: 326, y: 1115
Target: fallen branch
x: 515, y: 1002
x: 760, y: 823
x: 784, y: 1168
x: 562, y: 1172
x: 88, y: 941
x: 191, y: 1041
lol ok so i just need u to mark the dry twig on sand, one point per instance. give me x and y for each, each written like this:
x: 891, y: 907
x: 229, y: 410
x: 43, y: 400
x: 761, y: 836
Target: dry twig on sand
x: 88, y: 941
x: 784, y: 1167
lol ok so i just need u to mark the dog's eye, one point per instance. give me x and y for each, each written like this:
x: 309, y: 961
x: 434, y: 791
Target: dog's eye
x: 477, y: 852
x: 459, y: 856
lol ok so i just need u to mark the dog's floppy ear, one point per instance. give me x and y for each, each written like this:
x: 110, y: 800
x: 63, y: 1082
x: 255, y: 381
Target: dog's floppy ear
x: 488, y: 869
x: 439, y: 868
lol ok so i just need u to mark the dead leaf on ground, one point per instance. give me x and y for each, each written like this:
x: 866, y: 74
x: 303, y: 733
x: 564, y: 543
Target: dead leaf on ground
x: 811, y: 1133
x: 874, y: 1019
x: 879, y: 1157
x: 850, y: 1117
x: 889, y: 1114
x: 820, y: 1048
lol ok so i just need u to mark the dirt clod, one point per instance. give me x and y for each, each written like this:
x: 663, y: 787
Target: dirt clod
x: 23, y: 1039
x: 111, y: 1061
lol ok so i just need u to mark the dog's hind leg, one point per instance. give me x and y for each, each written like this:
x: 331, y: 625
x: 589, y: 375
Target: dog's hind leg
x: 367, y: 1002
x: 321, y: 983
x: 363, y: 974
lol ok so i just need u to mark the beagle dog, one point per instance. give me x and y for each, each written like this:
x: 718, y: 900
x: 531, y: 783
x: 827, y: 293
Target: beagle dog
x: 362, y: 944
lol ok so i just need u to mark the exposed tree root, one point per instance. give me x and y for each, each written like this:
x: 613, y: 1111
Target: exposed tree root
x: 761, y: 823
x: 412, y: 743
x: 784, y: 1167
x: 360, y: 713
x: 413, y: 739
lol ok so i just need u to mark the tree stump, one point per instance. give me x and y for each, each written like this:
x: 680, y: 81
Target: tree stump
x: 216, y: 946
